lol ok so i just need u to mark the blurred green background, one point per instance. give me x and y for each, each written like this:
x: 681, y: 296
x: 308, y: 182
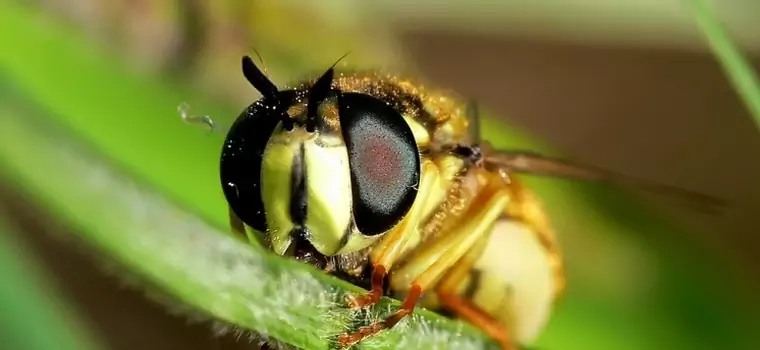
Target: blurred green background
x: 629, y: 86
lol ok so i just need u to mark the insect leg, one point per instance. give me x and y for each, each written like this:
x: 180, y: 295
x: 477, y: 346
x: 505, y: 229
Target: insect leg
x: 480, y: 283
x: 471, y: 313
x: 396, y: 242
x: 449, y: 296
x: 431, y: 263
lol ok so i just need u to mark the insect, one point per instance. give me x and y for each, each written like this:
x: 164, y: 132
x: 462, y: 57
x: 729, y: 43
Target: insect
x: 388, y: 184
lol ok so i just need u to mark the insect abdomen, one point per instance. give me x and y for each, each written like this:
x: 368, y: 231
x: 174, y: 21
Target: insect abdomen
x: 513, y: 280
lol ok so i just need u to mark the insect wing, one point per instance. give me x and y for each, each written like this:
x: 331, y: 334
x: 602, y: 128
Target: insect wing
x: 532, y: 163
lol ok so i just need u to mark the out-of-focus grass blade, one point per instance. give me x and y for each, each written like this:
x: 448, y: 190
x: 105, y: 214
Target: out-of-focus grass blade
x: 736, y: 67
x: 33, y: 316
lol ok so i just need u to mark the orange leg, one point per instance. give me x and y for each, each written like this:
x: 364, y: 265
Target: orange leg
x: 348, y: 339
x: 407, y: 233
x: 471, y: 313
x: 464, y: 308
x: 376, y: 292
x: 435, y: 260
x: 396, y: 241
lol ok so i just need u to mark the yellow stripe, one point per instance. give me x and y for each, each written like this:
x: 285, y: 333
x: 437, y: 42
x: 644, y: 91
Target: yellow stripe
x: 275, y: 193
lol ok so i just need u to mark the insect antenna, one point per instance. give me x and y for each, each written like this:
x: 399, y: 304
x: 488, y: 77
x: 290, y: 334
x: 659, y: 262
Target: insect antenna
x: 318, y: 93
x: 263, y: 64
x: 266, y: 87
x: 257, y: 78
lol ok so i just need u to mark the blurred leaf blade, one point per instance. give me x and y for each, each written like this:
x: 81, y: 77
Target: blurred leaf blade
x: 737, y: 68
x: 103, y: 101
x: 34, y: 317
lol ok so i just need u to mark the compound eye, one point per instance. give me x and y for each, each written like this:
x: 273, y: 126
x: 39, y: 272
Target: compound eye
x: 240, y: 164
x: 384, y: 162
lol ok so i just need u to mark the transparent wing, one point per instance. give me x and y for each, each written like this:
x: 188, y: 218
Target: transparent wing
x: 533, y: 163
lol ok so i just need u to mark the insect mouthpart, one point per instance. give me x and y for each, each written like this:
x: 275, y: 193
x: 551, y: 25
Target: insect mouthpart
x: 302, y: 249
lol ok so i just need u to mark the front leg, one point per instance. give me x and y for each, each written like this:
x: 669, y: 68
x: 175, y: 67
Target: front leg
x: 449, y: 297
x: 397, y: 241
x: 423, y: 272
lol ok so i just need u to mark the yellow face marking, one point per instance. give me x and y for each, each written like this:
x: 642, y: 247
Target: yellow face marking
x: 328, y: 186
x: 327, y: 183
x: 275, y: 192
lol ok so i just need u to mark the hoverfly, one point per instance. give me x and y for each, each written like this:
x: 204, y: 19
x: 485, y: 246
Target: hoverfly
x: 378, y: 180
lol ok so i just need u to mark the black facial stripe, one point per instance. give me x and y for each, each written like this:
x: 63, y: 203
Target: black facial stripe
x: 347, y: 233
x: 298, y: 188
x: 304, y: 251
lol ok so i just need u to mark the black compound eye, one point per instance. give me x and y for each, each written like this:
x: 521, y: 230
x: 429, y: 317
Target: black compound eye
x: 240, y: 165
x: 384, y: 161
